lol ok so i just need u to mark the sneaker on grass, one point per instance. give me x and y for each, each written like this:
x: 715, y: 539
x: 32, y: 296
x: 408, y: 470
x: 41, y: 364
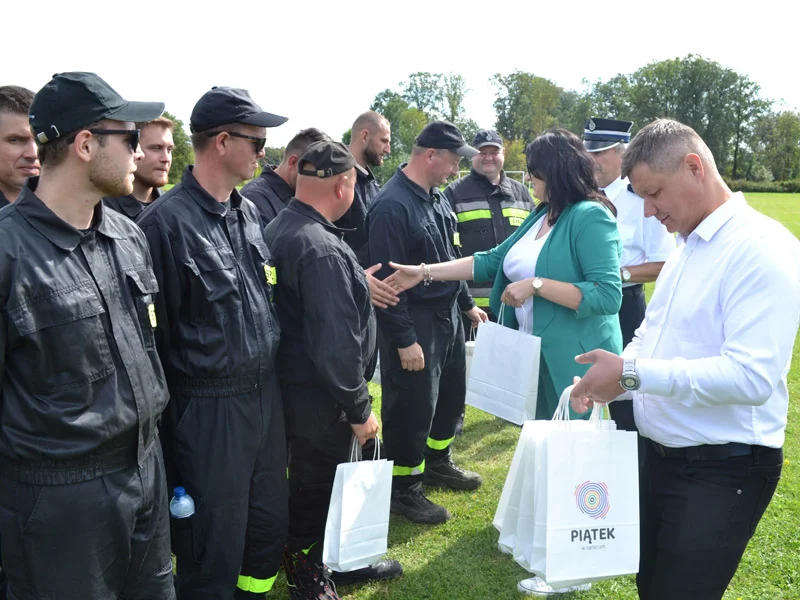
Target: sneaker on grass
x: 536, y: 586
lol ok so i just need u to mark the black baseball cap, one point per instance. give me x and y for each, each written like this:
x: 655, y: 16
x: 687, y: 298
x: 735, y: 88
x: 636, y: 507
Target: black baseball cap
x: 325, y: 158
x: 223, y: 105
x: 443, y: 135
x: 73, y: 100
x: 487, y: 137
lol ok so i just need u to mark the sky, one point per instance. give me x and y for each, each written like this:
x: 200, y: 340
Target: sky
x: 321, y: 63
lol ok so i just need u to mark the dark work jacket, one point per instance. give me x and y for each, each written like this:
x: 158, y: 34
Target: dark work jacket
x: 218, y: 330
x: 81, y: 380
x: 355, y: 219
x: 487, y: 214
x: 3, y: 200
x: 327, y: 323
x: 129, y: 205
x: 409, y: 225
x: 269, y: 192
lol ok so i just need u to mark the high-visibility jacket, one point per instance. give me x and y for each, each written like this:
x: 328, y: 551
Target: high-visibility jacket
x: 487, y: 214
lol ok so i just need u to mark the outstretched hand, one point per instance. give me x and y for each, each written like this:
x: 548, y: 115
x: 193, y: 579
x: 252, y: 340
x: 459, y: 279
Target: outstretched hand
x: 382, y: 294
x: 404, y: 277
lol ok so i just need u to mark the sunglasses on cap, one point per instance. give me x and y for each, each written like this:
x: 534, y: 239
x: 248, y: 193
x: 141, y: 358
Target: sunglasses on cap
x: 132, y: 135
x: 258, y: 142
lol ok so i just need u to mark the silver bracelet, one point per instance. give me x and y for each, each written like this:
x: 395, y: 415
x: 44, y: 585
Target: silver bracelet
x: 426, y: 274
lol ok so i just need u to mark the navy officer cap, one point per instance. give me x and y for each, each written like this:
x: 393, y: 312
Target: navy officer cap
x: 602, y: 134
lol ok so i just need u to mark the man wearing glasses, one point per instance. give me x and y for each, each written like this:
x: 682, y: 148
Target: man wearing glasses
x: 83, y: 497
x: 223, y: 432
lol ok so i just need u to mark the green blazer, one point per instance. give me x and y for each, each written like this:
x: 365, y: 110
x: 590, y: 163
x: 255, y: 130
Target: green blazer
x: 584, y: 249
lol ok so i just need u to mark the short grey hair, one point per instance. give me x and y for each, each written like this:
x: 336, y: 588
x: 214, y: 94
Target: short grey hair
x: 662, y: 144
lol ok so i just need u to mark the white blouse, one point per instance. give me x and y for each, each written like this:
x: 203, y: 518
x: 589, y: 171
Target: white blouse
x: 520, y: 263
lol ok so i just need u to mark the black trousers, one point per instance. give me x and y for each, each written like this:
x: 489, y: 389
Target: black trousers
x: 697, y: 517
x: 631, y: 315
x: 104, y: 539
x: 230, y: 455
x: 420, y: 409
x: 319, y: 439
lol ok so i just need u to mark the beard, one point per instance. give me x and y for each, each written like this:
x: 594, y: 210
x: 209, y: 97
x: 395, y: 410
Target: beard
x: 373, y: 158
x: 111, y: 179
x: 151, y: 180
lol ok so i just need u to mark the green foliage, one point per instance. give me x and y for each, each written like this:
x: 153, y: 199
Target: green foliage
x: 526, y: 105
x: 182, y: 154
x: 776, y: 139
x: 724, y: 107
x: 346, y: 137
x: 273, y: 156
x: 515, y: 155
x: 791, y: 186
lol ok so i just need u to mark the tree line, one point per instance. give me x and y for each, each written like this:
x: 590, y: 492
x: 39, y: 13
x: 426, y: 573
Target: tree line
x: 751, y: 137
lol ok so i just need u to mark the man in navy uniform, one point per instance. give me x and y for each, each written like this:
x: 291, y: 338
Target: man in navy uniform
x: 646, y: 242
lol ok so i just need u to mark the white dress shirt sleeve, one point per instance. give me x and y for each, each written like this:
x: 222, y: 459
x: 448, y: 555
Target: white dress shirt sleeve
x: 760, y: 309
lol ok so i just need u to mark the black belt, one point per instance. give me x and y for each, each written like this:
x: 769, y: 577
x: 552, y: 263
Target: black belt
x: 705, y: 452
x: 633, y: 290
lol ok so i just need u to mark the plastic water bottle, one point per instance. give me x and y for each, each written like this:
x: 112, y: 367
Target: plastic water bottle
x: 182, y: 505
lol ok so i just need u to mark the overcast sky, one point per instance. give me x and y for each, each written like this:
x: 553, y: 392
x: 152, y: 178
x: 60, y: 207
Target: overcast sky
x: 321, y: 63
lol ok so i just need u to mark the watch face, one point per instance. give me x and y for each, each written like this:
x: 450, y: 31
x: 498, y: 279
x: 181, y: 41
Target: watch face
x: 630, y: 383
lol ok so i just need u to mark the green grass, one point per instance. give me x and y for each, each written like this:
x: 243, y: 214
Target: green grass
x: 460, y: 560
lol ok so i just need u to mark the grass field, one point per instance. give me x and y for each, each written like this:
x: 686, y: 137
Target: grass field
x: 460, y: 560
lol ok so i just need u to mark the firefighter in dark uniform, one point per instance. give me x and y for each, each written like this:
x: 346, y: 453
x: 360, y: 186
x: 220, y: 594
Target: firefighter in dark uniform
x: 18, y: 162
x: 152, y: 170
x: 646, y: 243
x: 421, y: 340
x: 489, y: 206
x: 370, y: 141
x: 223, y: 431
x: 272, y: 190
x: 327, y: 337
x: 83, y: 496
x: 18, y: 159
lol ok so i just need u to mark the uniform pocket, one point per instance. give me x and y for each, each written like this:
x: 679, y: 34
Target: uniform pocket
x: 144, y: 286
x: 61, y: 338
x: 213, y: 286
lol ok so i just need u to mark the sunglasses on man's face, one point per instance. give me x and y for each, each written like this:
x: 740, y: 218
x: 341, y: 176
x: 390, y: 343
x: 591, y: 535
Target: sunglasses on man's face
x: 258, y: 142
x: 132, y: 135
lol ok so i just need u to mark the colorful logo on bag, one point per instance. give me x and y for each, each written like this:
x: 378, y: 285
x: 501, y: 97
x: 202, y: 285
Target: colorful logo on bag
x: 592, y: 499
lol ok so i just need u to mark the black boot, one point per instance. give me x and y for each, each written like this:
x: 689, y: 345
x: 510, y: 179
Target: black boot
x: 381, y: 570
x: 414, y: 506
x: 443, y: 472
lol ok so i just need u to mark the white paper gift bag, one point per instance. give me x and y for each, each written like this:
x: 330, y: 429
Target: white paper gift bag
x: 585, y: 503
x: 357, y: 529
x: 504, y: 374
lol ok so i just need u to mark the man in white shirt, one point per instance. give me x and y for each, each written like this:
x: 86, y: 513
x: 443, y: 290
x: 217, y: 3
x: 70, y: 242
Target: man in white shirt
x: 646, y: 243
x: 707, y: 368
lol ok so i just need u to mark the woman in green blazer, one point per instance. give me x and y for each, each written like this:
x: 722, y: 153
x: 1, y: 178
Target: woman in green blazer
x: 560, y: 270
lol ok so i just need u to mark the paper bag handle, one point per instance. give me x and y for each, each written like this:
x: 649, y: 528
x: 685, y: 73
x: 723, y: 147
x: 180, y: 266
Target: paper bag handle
x: 355, y: 449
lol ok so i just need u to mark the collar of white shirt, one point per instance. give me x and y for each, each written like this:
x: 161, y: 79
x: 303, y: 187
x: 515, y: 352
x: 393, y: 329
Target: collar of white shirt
x: 714, y: 222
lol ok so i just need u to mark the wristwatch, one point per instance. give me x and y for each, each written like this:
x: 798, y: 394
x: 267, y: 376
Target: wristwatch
x: 537, y: 284
x: 629, y: 380
x: 626, y: 275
